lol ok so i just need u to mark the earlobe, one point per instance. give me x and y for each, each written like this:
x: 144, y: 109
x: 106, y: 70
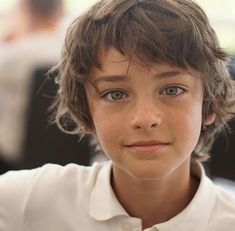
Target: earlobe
x: 90, y: 131
x: 209, y: 120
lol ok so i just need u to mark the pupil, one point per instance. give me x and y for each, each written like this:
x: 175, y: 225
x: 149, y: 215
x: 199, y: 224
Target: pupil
x: 172, y: 91
x: 116, y: 95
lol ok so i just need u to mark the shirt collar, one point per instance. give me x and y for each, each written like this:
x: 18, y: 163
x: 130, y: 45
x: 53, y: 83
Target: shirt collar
x: 196, y: 215
x: 103, y: 202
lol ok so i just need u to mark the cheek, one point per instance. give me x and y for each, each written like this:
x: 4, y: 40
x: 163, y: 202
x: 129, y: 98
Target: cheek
x: 108, y: 129
x: 187, y: 126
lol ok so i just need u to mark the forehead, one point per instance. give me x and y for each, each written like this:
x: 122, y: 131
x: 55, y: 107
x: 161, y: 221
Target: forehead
x: 112, y: 62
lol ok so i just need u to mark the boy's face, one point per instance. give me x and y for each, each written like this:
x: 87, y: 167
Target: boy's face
x: 147, y: 119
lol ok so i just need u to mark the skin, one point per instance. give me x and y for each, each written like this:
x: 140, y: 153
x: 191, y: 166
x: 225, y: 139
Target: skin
x: 148, y: 121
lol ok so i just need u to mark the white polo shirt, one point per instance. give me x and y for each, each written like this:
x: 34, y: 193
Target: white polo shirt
x: 77, y: 198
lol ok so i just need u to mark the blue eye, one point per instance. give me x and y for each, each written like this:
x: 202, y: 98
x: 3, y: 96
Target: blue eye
x: 115, y: 95
x: 174, y: 90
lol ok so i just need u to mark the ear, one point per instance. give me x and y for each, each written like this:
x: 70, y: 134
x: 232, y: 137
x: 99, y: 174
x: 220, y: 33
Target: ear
x: 209, y: 119
x: 90, y: 130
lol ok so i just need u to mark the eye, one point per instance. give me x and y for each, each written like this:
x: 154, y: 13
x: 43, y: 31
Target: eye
x: 172, y: 91
x: 114, y: 95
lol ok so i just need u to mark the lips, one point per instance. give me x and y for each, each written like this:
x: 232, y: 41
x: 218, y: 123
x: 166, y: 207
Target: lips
x: 147, y: 146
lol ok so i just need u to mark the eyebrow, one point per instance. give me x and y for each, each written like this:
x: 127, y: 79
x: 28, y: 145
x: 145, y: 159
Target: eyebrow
x: 123, y: 78
x: 111, y: 78
x: 169, y: 74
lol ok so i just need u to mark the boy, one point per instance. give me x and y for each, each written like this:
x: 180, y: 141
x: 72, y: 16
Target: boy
x: 149, y: 80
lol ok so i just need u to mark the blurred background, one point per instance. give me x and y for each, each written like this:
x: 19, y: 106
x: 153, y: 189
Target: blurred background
x: 31, y: 36
x: 221, y: 14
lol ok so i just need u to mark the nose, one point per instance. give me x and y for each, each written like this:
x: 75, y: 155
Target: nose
x: 145, y: 115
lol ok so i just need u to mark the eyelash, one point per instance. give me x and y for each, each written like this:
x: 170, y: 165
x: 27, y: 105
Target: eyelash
x: 182, y: 90
x: 107, y: 95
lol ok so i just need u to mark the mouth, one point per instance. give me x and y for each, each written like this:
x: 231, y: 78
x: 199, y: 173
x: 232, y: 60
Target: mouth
x: 147, y: 146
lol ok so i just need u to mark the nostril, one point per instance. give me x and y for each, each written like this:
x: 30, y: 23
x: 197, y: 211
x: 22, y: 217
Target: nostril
x: 153, y: 125
x: 138, y: 127
x: 145, y: 125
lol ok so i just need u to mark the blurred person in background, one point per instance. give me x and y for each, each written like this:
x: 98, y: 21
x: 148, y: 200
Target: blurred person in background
x: 15, y: 22
x: 36, y: 44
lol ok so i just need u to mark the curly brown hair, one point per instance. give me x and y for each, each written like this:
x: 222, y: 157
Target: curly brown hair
x: 173, y: 31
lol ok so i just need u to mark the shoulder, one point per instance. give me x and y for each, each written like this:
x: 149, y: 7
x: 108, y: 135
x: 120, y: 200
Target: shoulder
x: 223, y: 213
x: 27, y: 193
x: 224, y: 200
x: 213, y: 205
x: 47, y: 177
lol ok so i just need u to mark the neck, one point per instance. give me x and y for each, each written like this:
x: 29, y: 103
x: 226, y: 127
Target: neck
x: 156, y: 201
